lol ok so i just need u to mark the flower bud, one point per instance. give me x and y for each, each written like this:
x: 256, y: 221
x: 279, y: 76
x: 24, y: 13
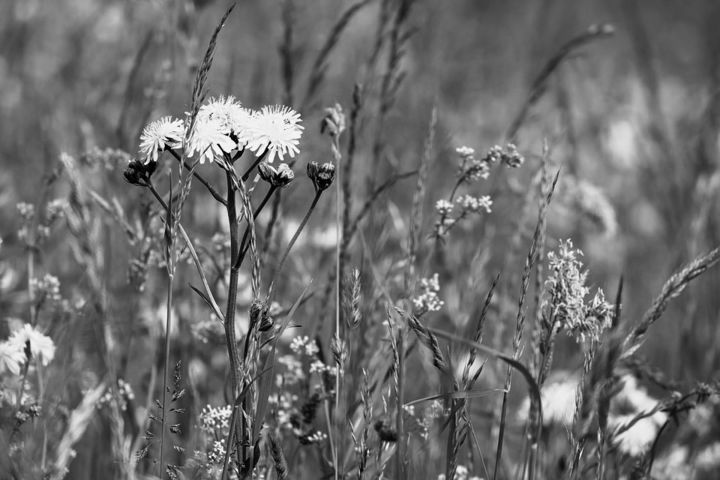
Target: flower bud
x: 277, y: 177
x: 321, y: 175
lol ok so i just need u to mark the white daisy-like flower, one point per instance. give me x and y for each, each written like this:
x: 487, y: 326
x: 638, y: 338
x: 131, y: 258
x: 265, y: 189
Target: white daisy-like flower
x: 159, y: 135
x: 11, y: 358
x: 42, y: 347
x: 630, y: 402
x: 234, y: 120
x: 208, y: 140
x: 558, y: 400
x: 275, y: 129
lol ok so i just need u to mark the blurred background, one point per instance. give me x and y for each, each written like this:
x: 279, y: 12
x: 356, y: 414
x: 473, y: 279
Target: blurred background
x: 631, y: 119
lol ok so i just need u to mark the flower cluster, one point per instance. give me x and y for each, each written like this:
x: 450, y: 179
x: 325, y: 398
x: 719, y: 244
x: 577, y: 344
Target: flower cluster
x: 428, y: 300
x: 46, y: 288
x: 215, y: 419
x: 304, y: 345
x: 443, y: 207
x: 565, y: 296
x: 471, y: 204
x: 461, y: 473
x: 223, y: 127
x: 125, y: 394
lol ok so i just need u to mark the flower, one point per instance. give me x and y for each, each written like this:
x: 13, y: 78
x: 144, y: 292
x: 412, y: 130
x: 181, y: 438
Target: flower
x: 558, y: 401
x: 321, y: 175
x: 160, y: 135
x: 275, y: 130
x: 208, y: 139
x: 42, y: 347
x: 443, y: 207
x: 630, y: 402
x: 277, y: 177
x: 233, y: 120
x: 428, y: 300
x: 11, y: 357
x: 475, y: 204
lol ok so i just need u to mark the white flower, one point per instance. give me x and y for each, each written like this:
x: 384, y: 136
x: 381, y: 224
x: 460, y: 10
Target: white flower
x: 631, y: 401
x: 208, y: 140
x: 42, y: 347
x: 428, y: 300
x: 275, y: 129
x: 558, y: 401
x: 159, y: 135
x: 443, y: 207
x: 464, y: 151
x: 11, y: 357
x: 475, y: 204
x: 637, y: 439
x: 233, y: 120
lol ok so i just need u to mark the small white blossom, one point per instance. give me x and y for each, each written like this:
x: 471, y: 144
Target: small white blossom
x: 428, y: 300
x: 304, y: 345
x: 11, y: 358
x: 443, y: 207
x: 475, y: 204
x: 160, y: 135
x: 42, y: 347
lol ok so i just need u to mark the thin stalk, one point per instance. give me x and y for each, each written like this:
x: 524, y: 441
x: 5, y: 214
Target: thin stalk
x: 399, y: 425
x: 278, y: 269
x: 338, y: 284
x: 244, y: 246
x: 215, y: 194
x: 168, y: 318
x: 232, y: 300
x: 259, y: 159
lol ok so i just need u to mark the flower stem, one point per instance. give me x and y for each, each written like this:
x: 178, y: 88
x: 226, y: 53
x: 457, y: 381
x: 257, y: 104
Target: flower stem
x: 231, y: 306
x: 168, y: 325
x: 293, y: 240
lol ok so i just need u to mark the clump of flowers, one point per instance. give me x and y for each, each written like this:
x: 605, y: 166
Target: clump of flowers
x: 46, y: 288
x: 566, y: 290
x: 224, y: 127
x: 215, y: 420
x: 472, y: 169
x: 428, y: 300
x: 124, y: 395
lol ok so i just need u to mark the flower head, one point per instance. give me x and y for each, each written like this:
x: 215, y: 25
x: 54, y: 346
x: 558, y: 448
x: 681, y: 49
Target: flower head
x: 41, y: 346
x: 630, y: 402
x: 11, y: 357
x: 566, y: 291
x: 274, y: 129
x: 209, y: 140
x: 160, y: 135
x: 233, y: 120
